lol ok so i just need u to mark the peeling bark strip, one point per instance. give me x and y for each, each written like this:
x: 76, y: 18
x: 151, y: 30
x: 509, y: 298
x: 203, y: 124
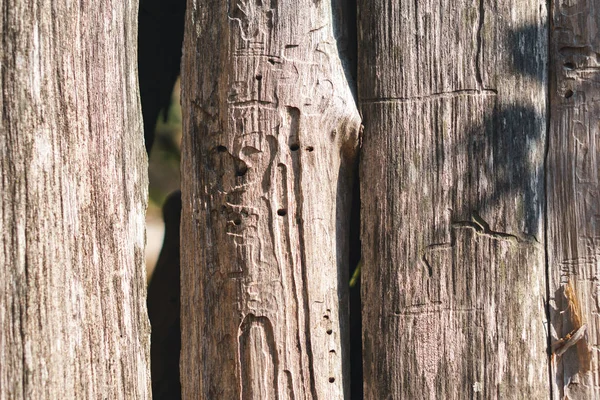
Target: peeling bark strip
x: 73, y: 183
x: 453, y: 99
x: 574, y: 194
x: 268, y: 153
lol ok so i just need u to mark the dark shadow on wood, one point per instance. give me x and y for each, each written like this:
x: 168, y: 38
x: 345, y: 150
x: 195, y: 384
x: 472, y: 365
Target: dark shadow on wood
x: 356, y: 374
x: 164, y: 306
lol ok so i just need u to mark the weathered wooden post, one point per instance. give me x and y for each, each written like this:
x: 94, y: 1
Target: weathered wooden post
x: 574, y: 195
x: 73, y: 182
x: 269, y: 147
x: 453, y: 99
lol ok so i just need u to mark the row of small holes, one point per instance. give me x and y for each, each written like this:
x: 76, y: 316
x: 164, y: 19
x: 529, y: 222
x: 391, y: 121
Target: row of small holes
x: 296, y: 146
x: 329, y: 332
x: 243, y: 170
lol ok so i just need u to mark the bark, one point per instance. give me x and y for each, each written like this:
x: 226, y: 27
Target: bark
x: 268, y: 154
x: 453, y: 98
x: 573, y: 195
x: 73, y: 318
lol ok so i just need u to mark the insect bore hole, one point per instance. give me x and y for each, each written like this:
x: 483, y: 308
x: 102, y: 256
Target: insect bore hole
x: 329, y: 331
x: 237, y: 221
x: 569, y: 65
x: 241, y: 171
x: 568, y: 94
x: 331, y: 379
x: 294, y: 146
x: 221, y: 149
x: 258, y: 77
x: 282, y: 212
x: 310, y: 148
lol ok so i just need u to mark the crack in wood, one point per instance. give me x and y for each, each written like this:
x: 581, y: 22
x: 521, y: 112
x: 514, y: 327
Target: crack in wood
x: 479, y: 45
x: 481, y: 227
x: 433, y: 96
x: 427, y: 309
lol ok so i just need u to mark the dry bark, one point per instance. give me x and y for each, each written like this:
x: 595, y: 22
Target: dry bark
x: 268, y: 153
x: 453, y: 98
x: 573, y: 196
x: 73, y: 183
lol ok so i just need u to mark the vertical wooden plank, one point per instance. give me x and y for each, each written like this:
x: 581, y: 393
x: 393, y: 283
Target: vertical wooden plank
x: 269, y: 149
x: 453, y: 97
x: 574, y: 195
x: 73, y: 188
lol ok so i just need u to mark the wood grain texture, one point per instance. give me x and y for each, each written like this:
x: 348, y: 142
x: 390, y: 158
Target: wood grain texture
x: 73, y: 320
x: 574, y: 194
x: 453, y: 99
x: 269, y: 149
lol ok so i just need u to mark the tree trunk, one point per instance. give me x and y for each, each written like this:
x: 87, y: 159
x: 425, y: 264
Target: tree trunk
x: 453, y: 98
x: 573, y: 196
x: 268, y: 154
x: 73, y: 318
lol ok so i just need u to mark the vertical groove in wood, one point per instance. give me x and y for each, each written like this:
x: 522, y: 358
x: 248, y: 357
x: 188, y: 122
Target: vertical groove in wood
x: 73, y: 183
x: 453, y: 98
x: 574, y: 195
x: 269, y: 149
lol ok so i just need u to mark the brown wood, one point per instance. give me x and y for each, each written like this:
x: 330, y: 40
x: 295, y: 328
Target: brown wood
x: 453, y: 98
x: 73, y: 183
x: 574, y: 196
x: 269, y: 149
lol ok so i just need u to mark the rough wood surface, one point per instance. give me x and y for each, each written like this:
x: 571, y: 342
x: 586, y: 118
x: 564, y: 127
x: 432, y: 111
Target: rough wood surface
x: 574, y: 195
x: 268, y: 153
x: 73, y: 183
x: 453, y: 98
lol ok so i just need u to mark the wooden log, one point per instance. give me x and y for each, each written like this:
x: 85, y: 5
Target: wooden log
x: 269, y: 151
x: 453, y: 99
x: 574, y: 195
x: 73, y: 169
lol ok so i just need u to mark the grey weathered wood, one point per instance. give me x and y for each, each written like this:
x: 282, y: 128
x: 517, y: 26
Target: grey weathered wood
x: 453, y: 98
x: 269, y: 146
x: 73, y: 183
x: 574, y: 194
